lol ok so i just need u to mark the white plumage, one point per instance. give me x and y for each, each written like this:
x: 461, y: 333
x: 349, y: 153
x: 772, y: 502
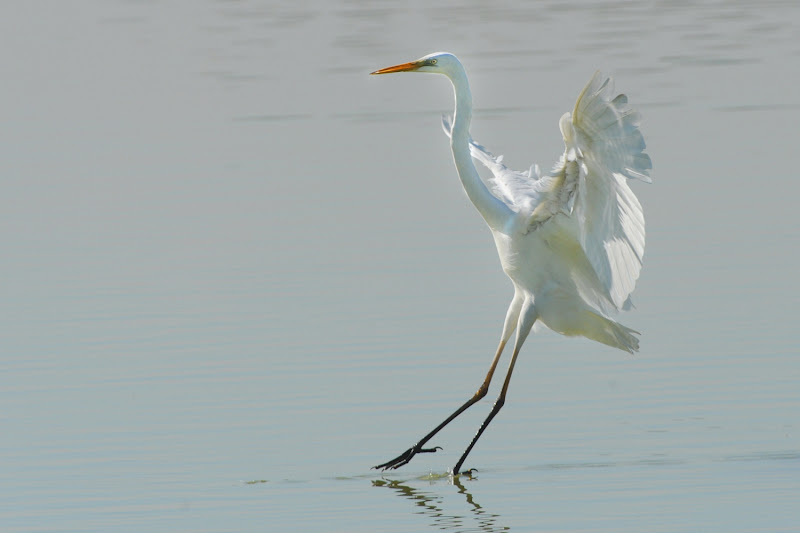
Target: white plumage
x: 571, y: 241
x: 603, y: 149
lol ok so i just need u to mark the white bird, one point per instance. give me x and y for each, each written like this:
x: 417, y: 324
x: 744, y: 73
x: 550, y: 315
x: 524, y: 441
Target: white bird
x: 571, y: 241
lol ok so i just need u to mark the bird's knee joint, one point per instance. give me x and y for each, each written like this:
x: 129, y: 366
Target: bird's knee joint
x: 482, y: 391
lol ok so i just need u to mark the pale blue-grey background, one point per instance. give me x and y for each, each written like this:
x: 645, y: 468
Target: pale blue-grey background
x: 237, y: 271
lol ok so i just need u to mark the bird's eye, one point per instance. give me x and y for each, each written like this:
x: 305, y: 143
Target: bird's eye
x: 433, y: 61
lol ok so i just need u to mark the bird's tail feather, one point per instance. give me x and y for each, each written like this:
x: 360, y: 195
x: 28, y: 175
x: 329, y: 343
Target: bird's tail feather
x: 605, y: 330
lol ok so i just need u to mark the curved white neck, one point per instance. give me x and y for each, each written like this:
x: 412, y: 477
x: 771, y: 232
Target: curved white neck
x: 493, y: 211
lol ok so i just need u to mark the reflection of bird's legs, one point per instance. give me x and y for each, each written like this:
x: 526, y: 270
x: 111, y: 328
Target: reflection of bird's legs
x: 487, y: 521
x: 527, y: 318
x: 509, y: 325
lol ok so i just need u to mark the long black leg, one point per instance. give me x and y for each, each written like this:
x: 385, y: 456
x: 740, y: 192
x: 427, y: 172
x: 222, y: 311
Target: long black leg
x: 495, y: 409
x: 406, y: 456
x: 527, y: 318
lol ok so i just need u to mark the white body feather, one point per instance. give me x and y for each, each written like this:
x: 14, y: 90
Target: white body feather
x: 575, y: 240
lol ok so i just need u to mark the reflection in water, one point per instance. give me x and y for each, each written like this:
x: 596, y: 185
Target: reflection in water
x: 434, y: 505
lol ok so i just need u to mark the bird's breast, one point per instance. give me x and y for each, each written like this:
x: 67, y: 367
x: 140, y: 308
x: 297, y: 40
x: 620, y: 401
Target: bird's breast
x: 519, y: 254
x: 536, y: 259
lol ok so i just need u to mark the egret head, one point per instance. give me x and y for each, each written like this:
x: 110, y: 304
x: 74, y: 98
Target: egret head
x: 437, y: 63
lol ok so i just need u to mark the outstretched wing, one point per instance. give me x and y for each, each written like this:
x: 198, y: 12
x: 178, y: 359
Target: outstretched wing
x: 602, y: 136
x: 603, y: 149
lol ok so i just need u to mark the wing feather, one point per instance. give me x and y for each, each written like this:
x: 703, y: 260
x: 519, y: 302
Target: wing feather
x: 603, y: 150
x: 604, y: 131
x: 520, y: 190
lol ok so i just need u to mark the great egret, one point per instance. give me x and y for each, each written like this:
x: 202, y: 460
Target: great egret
x: 571, y: 241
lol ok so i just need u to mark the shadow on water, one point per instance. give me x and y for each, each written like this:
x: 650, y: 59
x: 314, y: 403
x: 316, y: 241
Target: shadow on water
x: 437, y: 507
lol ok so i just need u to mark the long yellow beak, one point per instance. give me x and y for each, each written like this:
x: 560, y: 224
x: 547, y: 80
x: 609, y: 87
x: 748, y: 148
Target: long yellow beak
x: 405, y: 67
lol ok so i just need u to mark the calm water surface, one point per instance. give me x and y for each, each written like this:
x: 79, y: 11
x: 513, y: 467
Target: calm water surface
x: 238, y: 271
